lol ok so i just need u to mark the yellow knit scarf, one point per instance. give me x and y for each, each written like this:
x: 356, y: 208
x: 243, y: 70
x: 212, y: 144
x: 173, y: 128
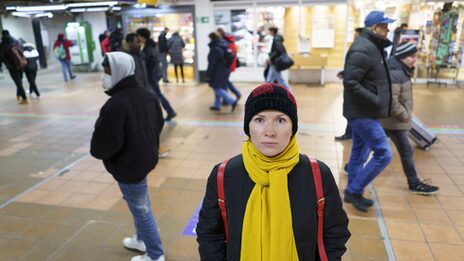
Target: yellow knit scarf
x: 267, y: 226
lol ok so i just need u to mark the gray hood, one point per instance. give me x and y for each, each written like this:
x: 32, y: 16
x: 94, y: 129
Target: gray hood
x: 121, y: 64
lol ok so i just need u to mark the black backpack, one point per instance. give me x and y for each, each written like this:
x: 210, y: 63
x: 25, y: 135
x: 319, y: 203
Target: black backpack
x: 228, y: 58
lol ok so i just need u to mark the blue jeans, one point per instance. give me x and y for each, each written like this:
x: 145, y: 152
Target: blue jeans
x: 368, y: 135
x: 164, y: 68
x: 66, y: 65
x: 164, y: 102
x: 275, y: 76
x: 233, y: 89
x: 219, y: 94
x: 136, y: 196
x: 404, y: 148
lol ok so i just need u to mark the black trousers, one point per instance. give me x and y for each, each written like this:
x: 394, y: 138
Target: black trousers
x: 31, y: 75
x: 17, y: 76
x: 181, y: 71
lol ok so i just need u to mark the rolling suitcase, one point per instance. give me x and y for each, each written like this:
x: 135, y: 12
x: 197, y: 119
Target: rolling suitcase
x: 422, y: 136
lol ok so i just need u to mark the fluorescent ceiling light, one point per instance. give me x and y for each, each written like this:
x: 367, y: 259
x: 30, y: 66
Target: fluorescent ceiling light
x: 40, y: 8
x: 116, y: 8
x: 140, y: 5
x: 109, y: 3
x: 93, y: 9
x: 9, y: 8
x: 47, y: 14
x: 77, y: 10
x: 18, y: 14
x: 74, y: 24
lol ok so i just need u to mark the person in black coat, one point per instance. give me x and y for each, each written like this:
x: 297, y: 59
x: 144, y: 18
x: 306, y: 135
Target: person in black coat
x: 6, y: 57
x: 141, y: 72
x: 126, y: 138
x: 271, y: 173
x: 152, y: 58
x: 366, y: 99
x: 277, y: 49
x: 218, y: 73
x: 163, y: 49
x: 32, y: 56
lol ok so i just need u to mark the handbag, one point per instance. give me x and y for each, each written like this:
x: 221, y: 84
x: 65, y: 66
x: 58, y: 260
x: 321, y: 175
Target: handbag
x: 283, y: 62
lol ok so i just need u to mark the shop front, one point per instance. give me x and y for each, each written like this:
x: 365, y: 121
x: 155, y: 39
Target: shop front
x: 177, y: 19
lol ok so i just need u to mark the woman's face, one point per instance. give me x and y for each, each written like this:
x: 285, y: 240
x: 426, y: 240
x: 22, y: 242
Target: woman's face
x: 270, y: 132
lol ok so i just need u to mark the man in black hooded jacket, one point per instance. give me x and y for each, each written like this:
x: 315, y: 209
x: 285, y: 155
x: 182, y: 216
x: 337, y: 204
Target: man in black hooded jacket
x: 367, y: 98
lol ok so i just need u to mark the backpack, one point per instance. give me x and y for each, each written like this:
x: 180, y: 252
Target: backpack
x: 18, y: 58
x: 319, y: 195
x: 60, y: 52
x: 228, y: 58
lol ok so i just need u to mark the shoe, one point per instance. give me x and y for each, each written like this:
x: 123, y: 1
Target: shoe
x: 23, y: 102
x: 343, y: 137
x: 18, y: 98
x: 73, y: 77
x: 163, y: 152
x: 238, y: 97
x: 166, y: 81
x: 134, y: 244
x: 147, y: 258
x: 356, y: 200
x: 224, y: 103
x: 366, y: 201
x: 212, y: 108
x: 234, y: 105
x: 345, y: 169
x: 170, y: 116
x: 423, y: 188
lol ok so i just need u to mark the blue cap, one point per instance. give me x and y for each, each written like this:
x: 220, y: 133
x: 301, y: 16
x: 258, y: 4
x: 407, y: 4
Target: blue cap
x: 377, y: 17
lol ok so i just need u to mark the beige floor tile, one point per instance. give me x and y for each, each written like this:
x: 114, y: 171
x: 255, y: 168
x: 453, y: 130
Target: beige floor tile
x: 419, y: 201
x: 55, y: 198
x: 457, y: 179
x: 34, y: 196
x: 16, y: 248
x: 40, y: 230
x: 86, y: 176
x: 94, y: 188
x: 404, y: 231
x: 103, y: 203
x: 449, y: 190
x: 104, y: 177
x: 432, y: 216
x: 451, y: 203
x: 447, y: 252
x: 72, y: 186
x: 78, y: 200
x: 441, y: 234
x: 456, y: 217
x: 357, y: 246
x: 411, y: 251
x: 52, y: 184
x: 399, y: 214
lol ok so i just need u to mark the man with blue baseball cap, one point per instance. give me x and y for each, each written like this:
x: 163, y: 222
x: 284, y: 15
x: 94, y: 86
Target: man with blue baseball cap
x: 366, y: 99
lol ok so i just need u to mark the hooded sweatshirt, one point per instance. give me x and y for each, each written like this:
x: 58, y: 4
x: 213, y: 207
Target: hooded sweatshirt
x: 126, y: 135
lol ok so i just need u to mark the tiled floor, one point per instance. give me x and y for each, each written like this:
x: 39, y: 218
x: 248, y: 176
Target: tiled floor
x: 58, y: 203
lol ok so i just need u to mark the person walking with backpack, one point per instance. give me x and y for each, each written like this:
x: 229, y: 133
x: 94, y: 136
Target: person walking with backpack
x: 175, y: 48
x: 32, y: 55
x: 61, y: 49
x: 218, y: 73
x: 11, y: 54
x: 277, y: 50
x: 271, y: 203
x: 366, y: 100
x: 234, y: 64
x: 397, y: 126
x: 126, y: 139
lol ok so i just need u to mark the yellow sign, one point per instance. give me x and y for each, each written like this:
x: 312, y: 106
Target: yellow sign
x: 148, y: 2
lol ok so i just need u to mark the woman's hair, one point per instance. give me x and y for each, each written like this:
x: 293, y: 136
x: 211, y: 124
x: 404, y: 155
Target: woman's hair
x: 213, y: 36
x: 131, y: 37
x: 273, y: 29
x: 144, y: 32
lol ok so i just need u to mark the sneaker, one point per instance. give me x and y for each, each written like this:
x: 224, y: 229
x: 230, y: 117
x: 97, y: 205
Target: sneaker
x: 366, y: 201
x: 147, y: 258
x: 163, y: 152
x: 134, y: 244
x: 343, y: 137
x: 422, y: 188
x: 212, y: 108
x: 356, y: 200
x: 73, y: 77
x: 170, y: 116
x: 23, y: 102
x: 234, y: 105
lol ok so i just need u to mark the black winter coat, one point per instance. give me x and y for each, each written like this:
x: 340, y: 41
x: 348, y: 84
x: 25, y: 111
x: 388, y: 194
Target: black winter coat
x: 238, y: 187
x: 126, y: 135
x: 152, y: 59
x: 163, y: 42
x: 366, y: 79
x: 217, y: 72
x: 277, y: 48
x: 5, y: 51
x: 141, y: 74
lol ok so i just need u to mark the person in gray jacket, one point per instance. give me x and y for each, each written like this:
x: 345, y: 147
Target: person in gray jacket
x: 397, y: 126
x: 175, y: 47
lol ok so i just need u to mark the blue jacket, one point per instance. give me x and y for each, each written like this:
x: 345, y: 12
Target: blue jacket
x: 217, y: 73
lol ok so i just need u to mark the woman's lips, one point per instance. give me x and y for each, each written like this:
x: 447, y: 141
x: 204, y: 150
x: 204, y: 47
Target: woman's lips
x: 269, y: 144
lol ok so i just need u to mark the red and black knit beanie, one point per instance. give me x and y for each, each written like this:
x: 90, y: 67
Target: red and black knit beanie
x: 270, y: 96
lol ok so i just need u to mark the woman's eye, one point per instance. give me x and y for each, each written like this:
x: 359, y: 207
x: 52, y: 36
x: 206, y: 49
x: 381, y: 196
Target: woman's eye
x: 259, y: 120
x: 281, y: 120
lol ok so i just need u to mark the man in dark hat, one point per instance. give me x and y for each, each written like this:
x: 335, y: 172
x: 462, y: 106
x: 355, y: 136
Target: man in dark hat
x: 367, y: 98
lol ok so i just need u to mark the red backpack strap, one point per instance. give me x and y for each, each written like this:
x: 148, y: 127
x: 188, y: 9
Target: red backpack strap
x: 221, y: 196
x: 320, y: 207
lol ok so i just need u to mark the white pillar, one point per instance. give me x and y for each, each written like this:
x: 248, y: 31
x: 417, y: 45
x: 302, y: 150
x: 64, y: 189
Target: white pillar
x: 203, y: 8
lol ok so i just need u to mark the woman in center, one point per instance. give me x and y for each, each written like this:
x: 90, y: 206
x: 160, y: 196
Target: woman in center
x: 270, y: 193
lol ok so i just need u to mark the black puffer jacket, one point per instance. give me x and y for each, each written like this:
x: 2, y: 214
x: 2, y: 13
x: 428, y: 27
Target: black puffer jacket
x: 5, y: 51
x: 366, y: 80
x: 277, y: 48
x: 152, y: 58
x: 238, y: 187
x: 126, y: 135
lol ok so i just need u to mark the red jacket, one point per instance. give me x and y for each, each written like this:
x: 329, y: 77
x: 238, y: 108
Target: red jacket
x: 105, y: 44
x: 231, y: 45
x: 66, y: 45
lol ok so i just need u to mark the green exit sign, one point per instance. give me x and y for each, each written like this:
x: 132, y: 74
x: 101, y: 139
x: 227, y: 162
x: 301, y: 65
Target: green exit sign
x: 203, y: 19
